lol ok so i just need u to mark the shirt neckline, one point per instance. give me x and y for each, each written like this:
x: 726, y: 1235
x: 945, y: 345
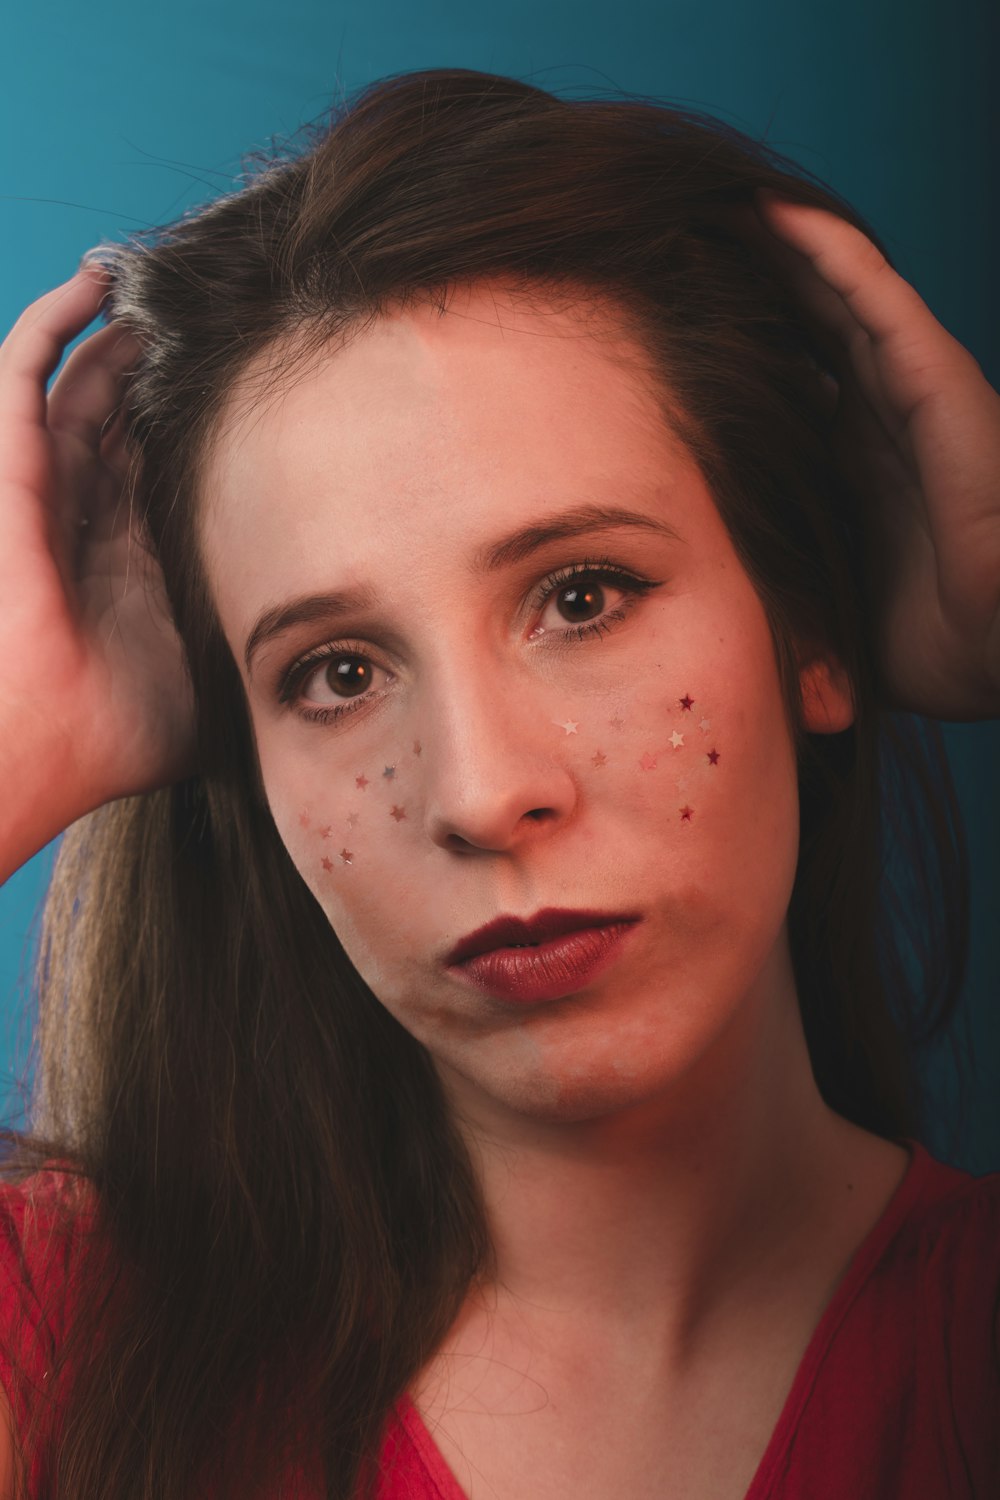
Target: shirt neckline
x: 852, y: 1281
x: 856, y: 1273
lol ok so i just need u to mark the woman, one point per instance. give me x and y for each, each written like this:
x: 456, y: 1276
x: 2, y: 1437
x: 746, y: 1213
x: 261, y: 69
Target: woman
x: 475, y: 1060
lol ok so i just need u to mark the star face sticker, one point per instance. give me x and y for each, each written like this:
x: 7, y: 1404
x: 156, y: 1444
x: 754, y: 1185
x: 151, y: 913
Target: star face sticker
x: 325, y: 833
x: 685, y: 702
x: 361, y: 782
x: 570, y: 725
x: 352, y: 818
x: 713, y: 756
x: 397, y: 812
x: 647, y: 761
x: 304, y: 819
x: 705, y: 725
x: 676, y: 740
x: 389, y: 771
x: 686, y: 814
x: 616, y: 722
x: 347, y: 856
x: 599, y: 759
x: 327, y: 863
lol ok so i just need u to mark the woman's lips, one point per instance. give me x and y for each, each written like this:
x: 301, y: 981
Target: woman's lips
x: 557, y: 967
x: 509, y: 931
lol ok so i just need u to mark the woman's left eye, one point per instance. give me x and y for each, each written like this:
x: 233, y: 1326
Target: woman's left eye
x: 588, y: 599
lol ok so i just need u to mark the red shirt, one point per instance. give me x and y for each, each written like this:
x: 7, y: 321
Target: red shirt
x: 897, y: 1396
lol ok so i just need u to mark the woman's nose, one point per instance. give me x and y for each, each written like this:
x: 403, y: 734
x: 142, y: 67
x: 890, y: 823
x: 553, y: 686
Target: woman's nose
x: 495, y: 773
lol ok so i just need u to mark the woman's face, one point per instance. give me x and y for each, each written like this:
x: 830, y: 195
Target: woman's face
x: 542, y: 679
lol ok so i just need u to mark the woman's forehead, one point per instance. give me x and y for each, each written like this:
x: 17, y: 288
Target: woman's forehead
x: 428, y: 420
x: 427, y: 346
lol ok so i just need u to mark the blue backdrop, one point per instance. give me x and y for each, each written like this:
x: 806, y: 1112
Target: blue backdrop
x: 115, y: 115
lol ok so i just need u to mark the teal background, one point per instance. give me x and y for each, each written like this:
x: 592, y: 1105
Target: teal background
x: 115, y: 116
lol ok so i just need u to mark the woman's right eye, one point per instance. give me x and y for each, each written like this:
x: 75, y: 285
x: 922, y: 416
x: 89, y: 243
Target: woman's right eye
x: 344, y: 671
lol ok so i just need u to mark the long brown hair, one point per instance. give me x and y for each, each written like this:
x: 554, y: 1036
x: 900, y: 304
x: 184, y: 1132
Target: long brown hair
x: 287, y: 1220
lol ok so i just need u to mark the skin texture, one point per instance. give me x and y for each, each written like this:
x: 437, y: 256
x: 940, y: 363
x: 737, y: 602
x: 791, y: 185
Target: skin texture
x: 653, y: 1148
x: 552, y: 770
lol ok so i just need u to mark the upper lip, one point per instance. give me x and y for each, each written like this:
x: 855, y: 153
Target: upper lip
x: 504, y: 931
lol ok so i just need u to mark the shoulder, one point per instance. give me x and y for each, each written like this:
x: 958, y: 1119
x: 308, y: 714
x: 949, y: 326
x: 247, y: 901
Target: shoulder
x: 910, y: 1367
x: 930, y: 1273
x: 946, y: 1227
x: 58, y: 1193
x: 899, y: 1393
x: 44, y: 1219
x: 945, y: 1261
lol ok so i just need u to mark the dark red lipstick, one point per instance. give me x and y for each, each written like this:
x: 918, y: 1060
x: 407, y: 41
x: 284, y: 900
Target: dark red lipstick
x: 542, y: 957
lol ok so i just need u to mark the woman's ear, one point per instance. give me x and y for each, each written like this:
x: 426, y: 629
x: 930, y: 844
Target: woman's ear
x: 827, y: 700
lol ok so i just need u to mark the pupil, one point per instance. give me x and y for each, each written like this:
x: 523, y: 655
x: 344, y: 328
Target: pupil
x: 352, y: 675
x: 588, y: 600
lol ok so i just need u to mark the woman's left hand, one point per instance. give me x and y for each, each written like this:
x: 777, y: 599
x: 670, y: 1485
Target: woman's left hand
x: 917, y: 428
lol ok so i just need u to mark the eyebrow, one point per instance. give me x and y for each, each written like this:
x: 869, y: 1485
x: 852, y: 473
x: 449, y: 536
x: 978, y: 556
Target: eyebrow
x: 307, y: 609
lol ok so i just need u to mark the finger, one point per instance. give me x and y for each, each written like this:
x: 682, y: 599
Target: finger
x: 882, y: 302
x: 827, y: 317
x: 844, y: 343
x: 93, y: 483
x: 35, y: 344
x: 89, y: 386
x: 112, y: 511
x: 113, y: 451
x: 911, y: 360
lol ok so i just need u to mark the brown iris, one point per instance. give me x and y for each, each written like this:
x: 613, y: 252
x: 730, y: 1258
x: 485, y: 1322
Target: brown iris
x: 588, y: 598
x: 350, y: 676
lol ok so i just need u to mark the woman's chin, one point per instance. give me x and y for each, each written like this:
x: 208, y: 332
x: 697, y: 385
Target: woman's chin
x: 550, y: 1094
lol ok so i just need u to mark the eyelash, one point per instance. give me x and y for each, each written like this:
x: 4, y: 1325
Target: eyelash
x: 604, y: 571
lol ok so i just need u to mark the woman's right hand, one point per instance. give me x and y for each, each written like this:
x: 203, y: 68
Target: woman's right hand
x: 95, y: 695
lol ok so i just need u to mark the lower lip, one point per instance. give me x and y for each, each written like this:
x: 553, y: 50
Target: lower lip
x: 559, y: 967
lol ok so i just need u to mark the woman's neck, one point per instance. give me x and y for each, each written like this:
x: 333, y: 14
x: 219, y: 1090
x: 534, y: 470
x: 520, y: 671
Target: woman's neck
x: 638, y: 1226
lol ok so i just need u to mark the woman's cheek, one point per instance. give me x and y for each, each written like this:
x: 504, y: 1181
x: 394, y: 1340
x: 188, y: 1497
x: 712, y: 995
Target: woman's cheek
x: 665, y: 752
x: 349, y: 830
